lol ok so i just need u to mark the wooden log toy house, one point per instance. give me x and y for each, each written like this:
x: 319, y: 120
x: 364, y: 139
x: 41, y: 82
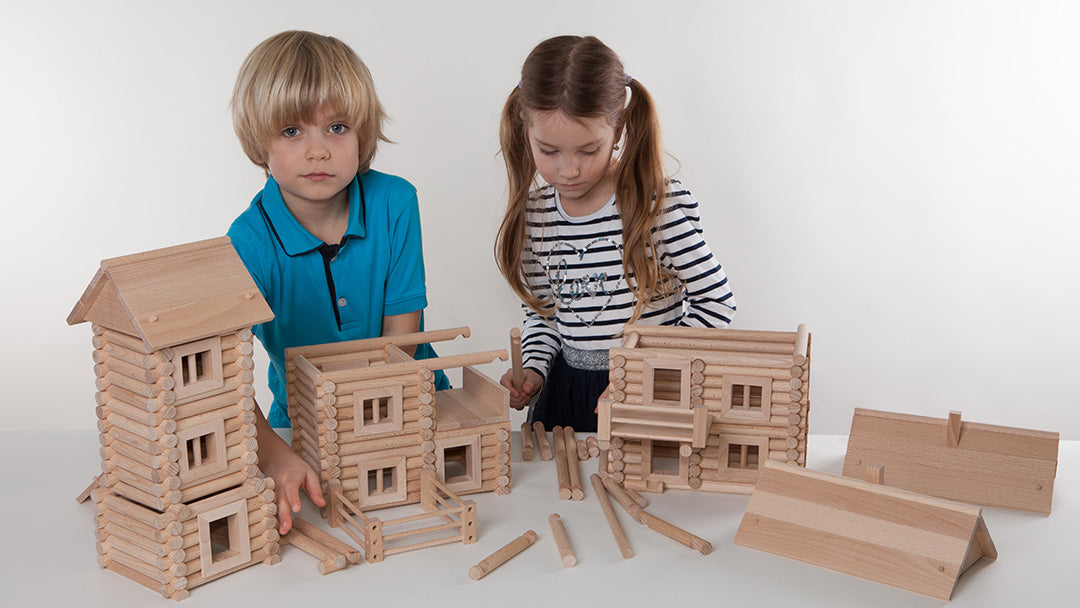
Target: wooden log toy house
x: 887, y: 535
x: 366, y: 416
x: 181, y: 501
x: 704, y: 409
x: 984, y: 464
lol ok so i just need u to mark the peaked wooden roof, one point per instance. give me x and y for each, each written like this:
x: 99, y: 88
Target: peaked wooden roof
x: 174, y: 295
x: 891, y: 536
x: 996, y: 466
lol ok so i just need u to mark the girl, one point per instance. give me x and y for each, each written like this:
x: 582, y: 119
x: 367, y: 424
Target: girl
x: 607, y: 241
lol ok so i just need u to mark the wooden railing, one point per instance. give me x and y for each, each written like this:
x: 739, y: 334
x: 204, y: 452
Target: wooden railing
x: 446, y: 511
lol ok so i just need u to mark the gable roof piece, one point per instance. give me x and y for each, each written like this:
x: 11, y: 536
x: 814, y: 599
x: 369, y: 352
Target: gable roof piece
x: 883, y: 534
x: 173, y: 295
x: 995, y: 466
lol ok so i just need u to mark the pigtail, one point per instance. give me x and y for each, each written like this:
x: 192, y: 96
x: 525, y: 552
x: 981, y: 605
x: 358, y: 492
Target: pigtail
x: 511, y: 241
x: 640, y: 194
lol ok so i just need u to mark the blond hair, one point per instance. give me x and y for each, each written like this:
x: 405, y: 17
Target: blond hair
x: 288, y: 77
x: 583, y: 78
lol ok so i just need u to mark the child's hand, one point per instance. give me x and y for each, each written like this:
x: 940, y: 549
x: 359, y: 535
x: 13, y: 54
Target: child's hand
x: 291, y: 474
x: 531, y: 382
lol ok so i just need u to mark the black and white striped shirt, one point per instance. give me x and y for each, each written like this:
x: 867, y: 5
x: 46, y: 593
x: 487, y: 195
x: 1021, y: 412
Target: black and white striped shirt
x: 576, y: 264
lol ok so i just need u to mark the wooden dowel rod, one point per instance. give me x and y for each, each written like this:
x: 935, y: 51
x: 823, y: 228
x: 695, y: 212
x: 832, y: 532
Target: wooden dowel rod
x: 502, y: 555
x: 593, y: 447
x: 577, y: 490
x: 542, y: 440
x: 85, y: 495
x: 562, y: 471
x: 352, y: 555
x: 562, y: 541
x: 638, y: 498
x: 676, y: 533
x: 620, y: 496
x: 515, y: 358
x: 612, y: 519
x: 526, y: 442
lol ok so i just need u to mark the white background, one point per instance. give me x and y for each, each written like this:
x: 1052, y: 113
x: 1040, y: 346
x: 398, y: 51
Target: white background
x: 901, y: 176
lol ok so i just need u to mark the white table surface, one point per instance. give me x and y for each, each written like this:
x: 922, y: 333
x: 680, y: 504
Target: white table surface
x: 49, y: 558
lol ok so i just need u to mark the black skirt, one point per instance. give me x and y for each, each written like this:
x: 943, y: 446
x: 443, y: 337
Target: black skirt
x: 568, y: 397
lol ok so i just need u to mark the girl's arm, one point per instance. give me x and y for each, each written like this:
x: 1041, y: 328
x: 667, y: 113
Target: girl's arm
x: 683, y: 249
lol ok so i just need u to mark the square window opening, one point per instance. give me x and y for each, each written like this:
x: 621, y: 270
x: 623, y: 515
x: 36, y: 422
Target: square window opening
x: 456, y: 464
x: 743, y: 456
x: 746, y: 397
x: 222, y: 545
x: 667, y: 384
x: 665, y: 458
x: 382, y: 481
x: 202, y: 451
x: 376, y: 410
x: 195, y: 367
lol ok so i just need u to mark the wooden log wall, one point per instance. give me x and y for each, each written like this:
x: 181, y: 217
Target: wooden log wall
x: 782, y: 357
x: 323, y: 417
x: 139, y: 417
x: 162, y: 551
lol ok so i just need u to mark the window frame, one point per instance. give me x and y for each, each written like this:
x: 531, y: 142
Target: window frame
x: 649, y: 367
x: 729, y: 412
x: 214, y: 378
x: 395, y: 410
x: 238, y: 525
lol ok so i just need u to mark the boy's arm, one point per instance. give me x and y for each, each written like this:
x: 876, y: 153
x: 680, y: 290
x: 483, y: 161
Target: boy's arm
x: 396, y: 325
x: 289, y: 472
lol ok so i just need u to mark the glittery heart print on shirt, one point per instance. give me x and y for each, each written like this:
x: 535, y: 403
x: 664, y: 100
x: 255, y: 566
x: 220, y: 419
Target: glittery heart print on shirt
x: 569, y: 285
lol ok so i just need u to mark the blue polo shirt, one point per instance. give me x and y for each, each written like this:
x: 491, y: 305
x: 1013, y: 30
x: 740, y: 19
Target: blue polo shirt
x: 321, y: 294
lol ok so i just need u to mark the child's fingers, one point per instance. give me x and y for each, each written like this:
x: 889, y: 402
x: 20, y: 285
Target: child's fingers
x: 311, y: 486
x: 284, y: 516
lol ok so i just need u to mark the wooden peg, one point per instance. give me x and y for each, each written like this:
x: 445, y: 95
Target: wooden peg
x: 94, y: 484
x: 352, y: 555
x: 562, y: 541
x: 676, y: 533
x: 330, y: 560
x: 582, y: 450
x: 620, y: 496
x: 577, y: 489
x: 875, y: 473
x: 612, y: 519
x: 526, y: 442
x: 592, y: 446
x: 542, y: 440
x: 638, y: 498
x: 561, y: 468
x: 953, y: 428
x: 515, y: 358
x: 502, y: 555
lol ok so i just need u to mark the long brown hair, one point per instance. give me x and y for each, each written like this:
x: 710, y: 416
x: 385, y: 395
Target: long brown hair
x: 583, y: 78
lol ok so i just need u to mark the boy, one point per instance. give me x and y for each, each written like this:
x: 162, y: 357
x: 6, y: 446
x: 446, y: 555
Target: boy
x: 333, y: 245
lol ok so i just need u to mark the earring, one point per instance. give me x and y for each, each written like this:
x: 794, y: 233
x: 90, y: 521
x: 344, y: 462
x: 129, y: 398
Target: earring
x: 615, y: 147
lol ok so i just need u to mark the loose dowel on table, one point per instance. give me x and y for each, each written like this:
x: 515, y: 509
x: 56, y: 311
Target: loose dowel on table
x: 577, y: 490
x: 542, y: 440
x: 562, y: 541
x: 612, y: 519
x: 638, y: 498
x: 501, y: 556
x: 526, y: 442
x: 561, y: 470
x: 676, y: 533
x: 515, y: 358
x: 623, y: 499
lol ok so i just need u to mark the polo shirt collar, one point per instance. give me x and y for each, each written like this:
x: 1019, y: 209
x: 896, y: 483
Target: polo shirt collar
x: 294, y: 238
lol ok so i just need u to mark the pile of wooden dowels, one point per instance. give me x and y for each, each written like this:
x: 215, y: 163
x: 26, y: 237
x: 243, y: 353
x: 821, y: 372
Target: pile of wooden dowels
x: 568, y: 453
x: 636, y: 510
x: 333, y: 554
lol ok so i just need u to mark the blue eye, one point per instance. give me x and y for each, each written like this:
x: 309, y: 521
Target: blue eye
x: 290, y: 132
x: 338, y: 128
